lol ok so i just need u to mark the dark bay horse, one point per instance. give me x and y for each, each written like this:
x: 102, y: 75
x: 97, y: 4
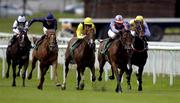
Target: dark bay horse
x: 117, y: 56
x: 18, y: 55
x: 138, y: 58
x: 47, y: 54
x: 84, y: 56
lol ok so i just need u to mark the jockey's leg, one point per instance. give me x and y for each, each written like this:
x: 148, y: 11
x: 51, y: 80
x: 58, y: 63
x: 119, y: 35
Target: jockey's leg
x: 145, y: 41
x: 38, y: 42
x: 12, y: 41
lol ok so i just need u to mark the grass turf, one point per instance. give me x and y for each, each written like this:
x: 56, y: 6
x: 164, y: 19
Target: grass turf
x: 100, y: 92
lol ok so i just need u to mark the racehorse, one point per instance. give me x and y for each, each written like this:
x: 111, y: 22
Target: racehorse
x: 84, y: 56
x: 138, y: 57
x: 18, y: 55
x: 117, y: 56
x: 47, y: 54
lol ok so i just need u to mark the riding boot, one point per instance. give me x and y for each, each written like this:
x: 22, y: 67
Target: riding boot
x: 145, y: 41
x: 12, y: 41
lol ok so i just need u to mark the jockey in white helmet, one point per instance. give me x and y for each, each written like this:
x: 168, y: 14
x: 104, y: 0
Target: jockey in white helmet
x: 19, y: 25
x: 117, y: 25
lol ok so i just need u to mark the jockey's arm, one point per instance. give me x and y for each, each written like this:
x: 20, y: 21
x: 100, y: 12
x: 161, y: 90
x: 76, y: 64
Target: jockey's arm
x: 15, y: 30
x: 79, y: 31
x: 35, y: 20
x: 112, y: 26
x: 147, y: 32
x: 93, y: 26
x: 26, y: 27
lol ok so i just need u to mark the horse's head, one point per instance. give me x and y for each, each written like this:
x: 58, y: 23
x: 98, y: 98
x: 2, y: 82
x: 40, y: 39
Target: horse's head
x: 22, y: 39
x: 51, y: 36
x: 139, y: 30
x: 90, y: 37
x: 127, y: 39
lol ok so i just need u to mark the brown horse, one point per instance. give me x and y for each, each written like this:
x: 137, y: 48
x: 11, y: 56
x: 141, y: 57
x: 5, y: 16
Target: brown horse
x: 84, y: 56
x: 18, y: 55
x: 117, y: 56
x: 47, y: 54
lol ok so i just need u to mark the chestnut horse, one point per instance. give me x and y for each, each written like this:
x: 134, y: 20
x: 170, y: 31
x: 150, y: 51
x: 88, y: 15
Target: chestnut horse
x: 47, y: 54
x: 18, y: 55
x: 84, y: 56
x: 117, y: 56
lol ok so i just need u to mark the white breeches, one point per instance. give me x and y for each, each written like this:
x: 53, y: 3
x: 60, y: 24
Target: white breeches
x: 111, y: 34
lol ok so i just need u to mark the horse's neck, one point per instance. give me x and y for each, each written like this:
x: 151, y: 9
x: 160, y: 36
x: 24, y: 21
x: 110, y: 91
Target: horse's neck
x: 138, y: 43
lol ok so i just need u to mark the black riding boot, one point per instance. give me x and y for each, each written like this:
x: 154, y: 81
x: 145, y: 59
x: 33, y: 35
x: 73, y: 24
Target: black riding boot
x: 12, y: 41
x: 145, y: 41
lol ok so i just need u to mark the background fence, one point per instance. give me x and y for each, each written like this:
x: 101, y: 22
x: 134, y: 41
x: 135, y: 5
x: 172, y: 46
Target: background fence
x: 163, y: 58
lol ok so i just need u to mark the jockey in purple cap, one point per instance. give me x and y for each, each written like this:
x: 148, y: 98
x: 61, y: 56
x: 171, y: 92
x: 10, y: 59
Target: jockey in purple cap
x: 49, y: 22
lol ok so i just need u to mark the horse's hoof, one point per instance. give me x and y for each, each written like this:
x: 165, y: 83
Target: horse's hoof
x: 93, y: 79
x: 7, y: 75
x: 58, y: 84
x: 140, y: 88
x: 81, y: 86
x: 100, y: 78
x: 40, y: 87
x: 63, y: 87
x: 18, y: 74
x: 77, y: 88
x: 118, y: 91
x: 13, y: 85
x: 29, y: 77
x: 111, y: 77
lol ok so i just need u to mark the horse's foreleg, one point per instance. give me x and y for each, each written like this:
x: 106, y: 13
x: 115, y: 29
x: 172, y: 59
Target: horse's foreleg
x: 43, y: 72
x: 56, y: 74
x: 19, y: 70
x: 78, y: 77
x: 128, y: 75
x: 81, y: 85
x: 111, y: 77
x: 14, y: 74
x: 93, y: 74
x: 102, y: 62
x: 9, y: 64
x: 118, y: 77
x: 63, y: 86
x: 34, y: 60
x: 24, y: 73
x: 139, y: 78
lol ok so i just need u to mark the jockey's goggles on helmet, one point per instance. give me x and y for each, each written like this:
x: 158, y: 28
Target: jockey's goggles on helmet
x: 88, y: 25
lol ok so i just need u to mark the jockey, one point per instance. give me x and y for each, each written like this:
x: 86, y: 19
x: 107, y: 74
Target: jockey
x: 117, y: 25
x: 88, y: 23
x: 49, y: 22
x: 139, y: 20
x: 19, y: 25
x: 134, y: 27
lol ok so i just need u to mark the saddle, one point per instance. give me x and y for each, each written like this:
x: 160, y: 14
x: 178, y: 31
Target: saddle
x: 106, y: 44
x: 73, y: 46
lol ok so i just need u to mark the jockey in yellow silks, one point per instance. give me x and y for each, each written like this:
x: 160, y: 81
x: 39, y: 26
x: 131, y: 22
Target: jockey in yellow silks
x: 139, y: 20
x: 88, y: 23
x: 137, y: 24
